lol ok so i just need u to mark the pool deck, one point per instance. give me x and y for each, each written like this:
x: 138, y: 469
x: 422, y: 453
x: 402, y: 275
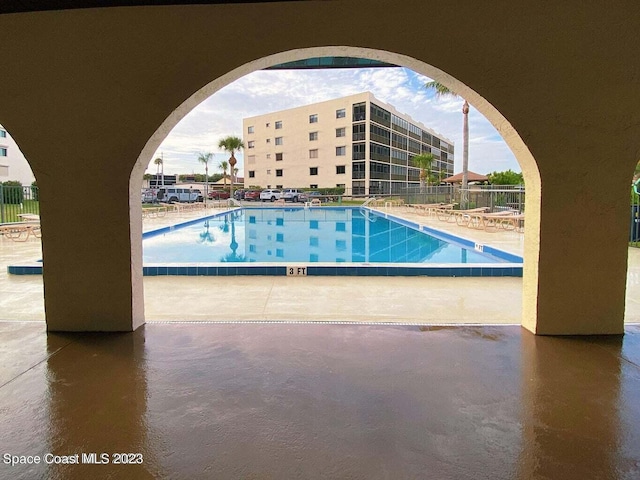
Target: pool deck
x: 411, y: 300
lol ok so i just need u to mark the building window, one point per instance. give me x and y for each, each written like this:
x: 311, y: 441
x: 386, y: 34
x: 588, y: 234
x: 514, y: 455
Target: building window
x: 278, y: 157
x: 313, y: 153
x: 341, y: 151
x: 251, y: 144
x: 380, y: 135
x: 268, y: 172
x: 278, y: 124
x: 358, y: 151
x: 268, y: 155
x: 252, y: 174
x: 279, y: 186
x: 3, y: 152
x: 279, y: 172
x: 313, y: 185
x: 380, y: 115
x: 278, y: 140
x: 341, y: 132
x: 251, y: 159
x: 268, y: 140
x: 379, y: 152
x: 3, y: 133
x: 358, y: 170
x: 267, y: 124
x: 341, y: 169
x: 313, y: 136
x: 313, y: 171
x: 341, y: 113
x: 250, y: 129
x: 360, y: 112
x: 313, y: 118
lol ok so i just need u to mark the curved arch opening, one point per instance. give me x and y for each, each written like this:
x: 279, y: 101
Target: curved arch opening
x: 504, y: 128
x: 20, y: 237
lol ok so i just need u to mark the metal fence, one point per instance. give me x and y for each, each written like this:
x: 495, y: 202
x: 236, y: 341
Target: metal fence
x: 16, y: 201
x: 19, y: 200
x: 634, y: 220
x: 495, y: 198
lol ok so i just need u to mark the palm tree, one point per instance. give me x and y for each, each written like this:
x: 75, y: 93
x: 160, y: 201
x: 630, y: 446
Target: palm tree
x: 205, y: 158
x: 159, y: 163
x: 223, y: 165
x: 231, y: 144
x: 424, y: 161
x: 441, y: 90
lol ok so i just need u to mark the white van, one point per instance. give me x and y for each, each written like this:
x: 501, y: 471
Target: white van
x: 291, y: 194
x: 172, y: 195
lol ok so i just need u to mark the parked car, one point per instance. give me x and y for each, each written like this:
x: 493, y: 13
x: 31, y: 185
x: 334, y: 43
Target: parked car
x: 270, y: 194
x: 172, y: 195
x: 308, y: 196
x: 218, y: 194
x: 149, y: 195
x: 291, y: 194
x: 252, y: 195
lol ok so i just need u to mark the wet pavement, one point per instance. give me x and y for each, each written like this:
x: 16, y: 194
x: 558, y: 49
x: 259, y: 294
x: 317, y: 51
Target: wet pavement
x: 249, y: 401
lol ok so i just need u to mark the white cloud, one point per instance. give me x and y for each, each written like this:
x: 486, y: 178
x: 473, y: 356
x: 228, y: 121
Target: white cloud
x: 264, y: 91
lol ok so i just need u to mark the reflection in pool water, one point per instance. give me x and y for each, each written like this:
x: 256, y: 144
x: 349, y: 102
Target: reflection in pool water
x: 302, y: 235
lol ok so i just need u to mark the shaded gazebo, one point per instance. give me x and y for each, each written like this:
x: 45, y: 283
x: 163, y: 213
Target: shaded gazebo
x: 471, y: 177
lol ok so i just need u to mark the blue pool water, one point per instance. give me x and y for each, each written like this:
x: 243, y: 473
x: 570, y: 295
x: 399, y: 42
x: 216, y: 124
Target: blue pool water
x: 282, y: 235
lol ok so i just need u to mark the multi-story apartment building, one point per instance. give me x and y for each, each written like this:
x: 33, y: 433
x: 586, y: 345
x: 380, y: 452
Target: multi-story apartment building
x: 13, y: 165
x: 356, y: 142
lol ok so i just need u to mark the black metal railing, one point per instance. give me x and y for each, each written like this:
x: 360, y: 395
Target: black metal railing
x: 16, y: 201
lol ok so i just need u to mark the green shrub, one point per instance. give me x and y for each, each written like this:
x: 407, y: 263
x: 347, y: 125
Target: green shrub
x: 332, y: 191
x: 35, y: 192
x: 12, y: 192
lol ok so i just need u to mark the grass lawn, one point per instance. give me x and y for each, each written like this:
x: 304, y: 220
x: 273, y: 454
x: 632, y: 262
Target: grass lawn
x: 9, y: 211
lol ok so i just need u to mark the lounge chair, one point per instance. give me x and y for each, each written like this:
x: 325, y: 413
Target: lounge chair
x: 29, y: 217
x: 511, y: 222
x: 20, y: 232
x: 488, y: 221
x: 459, y: 216
x: 153, y: 212
x: 441, y: 210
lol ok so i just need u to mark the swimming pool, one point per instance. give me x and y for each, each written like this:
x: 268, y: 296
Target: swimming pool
x: 328, y: 241
x: 316, y: 241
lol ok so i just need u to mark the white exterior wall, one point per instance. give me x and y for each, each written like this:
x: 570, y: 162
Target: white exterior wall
x: 13, y: 166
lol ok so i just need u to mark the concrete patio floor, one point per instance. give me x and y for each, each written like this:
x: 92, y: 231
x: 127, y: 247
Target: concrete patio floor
x: 414, y: 300
x: 270, y: 401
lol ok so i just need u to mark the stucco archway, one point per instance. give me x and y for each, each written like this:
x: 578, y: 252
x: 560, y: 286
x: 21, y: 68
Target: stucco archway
x: 511, y: 137
x: 84, y: 91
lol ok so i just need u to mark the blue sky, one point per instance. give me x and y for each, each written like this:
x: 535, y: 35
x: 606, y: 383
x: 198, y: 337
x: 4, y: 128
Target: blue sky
x: 265, y: 91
